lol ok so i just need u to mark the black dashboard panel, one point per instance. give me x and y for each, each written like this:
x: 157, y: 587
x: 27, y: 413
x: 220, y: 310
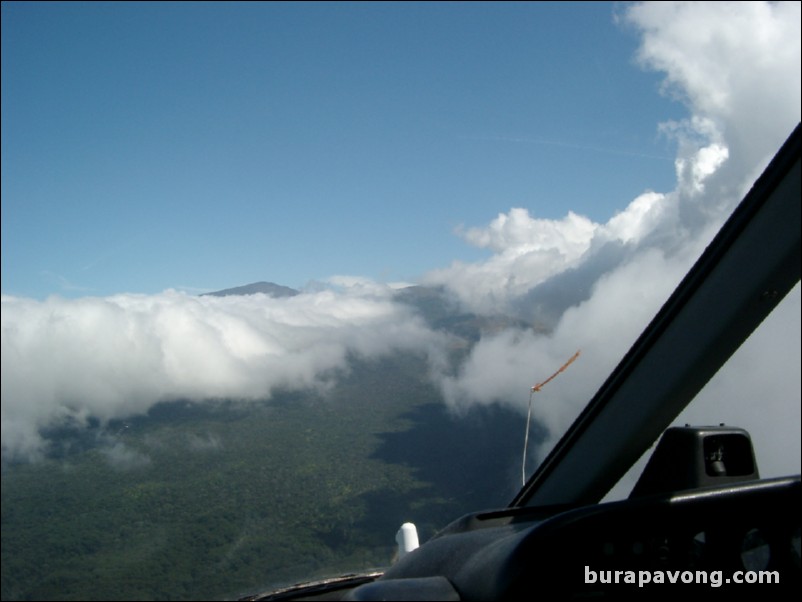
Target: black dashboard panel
x: 700, y: 539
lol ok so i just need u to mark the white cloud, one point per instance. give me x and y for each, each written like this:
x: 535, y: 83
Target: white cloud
x: 117, y: 356
x: 519, y: 233
x: 528, y: 251
x: 502, y: 367
x: 736, y: 66
x: 639, y: 218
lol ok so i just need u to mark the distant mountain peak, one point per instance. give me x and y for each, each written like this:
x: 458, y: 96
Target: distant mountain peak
x: 268, y: 288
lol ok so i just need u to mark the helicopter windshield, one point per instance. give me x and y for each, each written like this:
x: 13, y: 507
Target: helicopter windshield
x: 200, y: 398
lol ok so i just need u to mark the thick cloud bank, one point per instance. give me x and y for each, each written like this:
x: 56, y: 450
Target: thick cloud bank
x: 736, y: 67
x: 117, y: 356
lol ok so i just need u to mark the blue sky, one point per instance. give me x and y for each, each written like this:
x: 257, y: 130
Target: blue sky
x: 149, y: 146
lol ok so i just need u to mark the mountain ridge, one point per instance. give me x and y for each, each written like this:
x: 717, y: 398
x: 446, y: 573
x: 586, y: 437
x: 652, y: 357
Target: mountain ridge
x: 270, y: 289
x: 434, y: 304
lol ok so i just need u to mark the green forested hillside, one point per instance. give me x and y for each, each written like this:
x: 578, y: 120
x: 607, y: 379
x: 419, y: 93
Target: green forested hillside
x: 224, y: 499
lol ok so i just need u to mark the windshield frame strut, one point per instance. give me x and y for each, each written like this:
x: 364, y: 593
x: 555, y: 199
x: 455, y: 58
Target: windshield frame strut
x: 748, y: 268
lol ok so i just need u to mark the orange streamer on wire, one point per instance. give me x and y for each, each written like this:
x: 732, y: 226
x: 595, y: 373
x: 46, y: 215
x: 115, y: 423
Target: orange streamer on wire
x: 536, y: 389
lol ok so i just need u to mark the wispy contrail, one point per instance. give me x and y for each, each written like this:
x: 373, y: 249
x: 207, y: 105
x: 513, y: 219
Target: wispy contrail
x: 586, y: 147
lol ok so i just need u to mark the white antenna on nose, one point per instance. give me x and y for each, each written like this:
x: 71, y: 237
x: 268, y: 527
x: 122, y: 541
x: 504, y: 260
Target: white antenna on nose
x: 407, y: 539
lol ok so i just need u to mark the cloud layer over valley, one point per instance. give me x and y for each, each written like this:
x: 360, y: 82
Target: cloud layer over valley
x: 590, y: 286
x: 117, y: 356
